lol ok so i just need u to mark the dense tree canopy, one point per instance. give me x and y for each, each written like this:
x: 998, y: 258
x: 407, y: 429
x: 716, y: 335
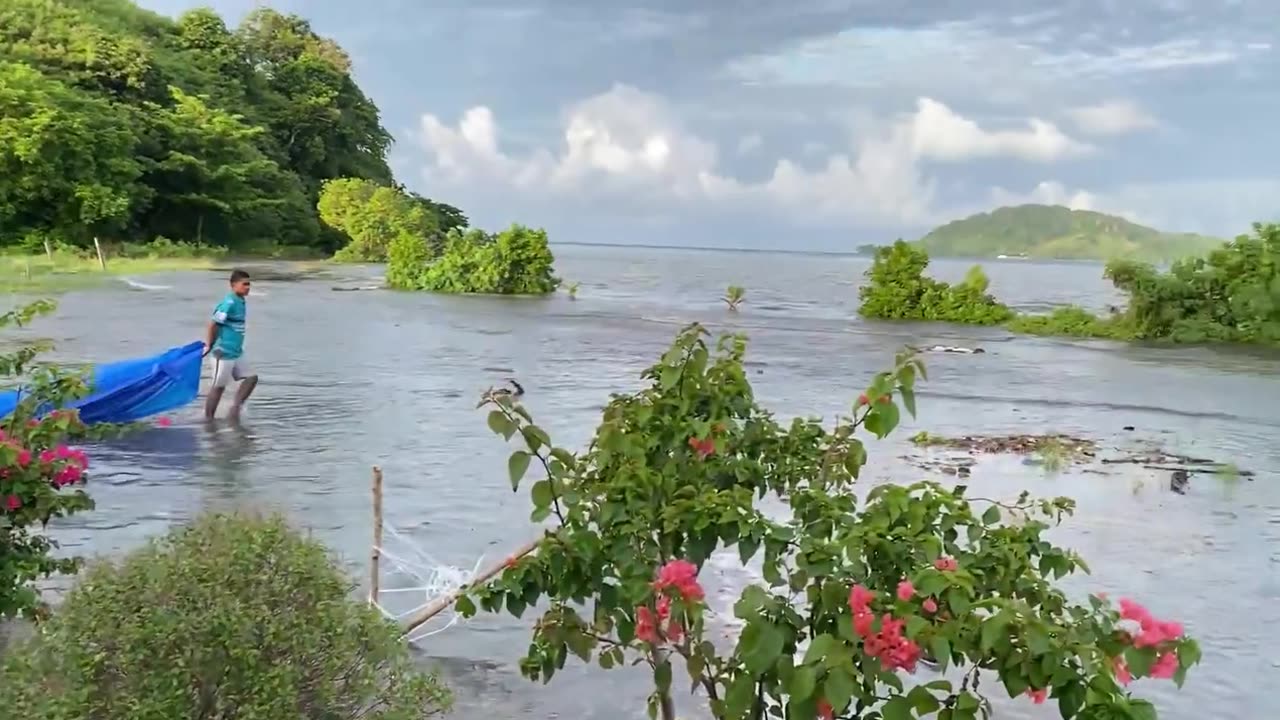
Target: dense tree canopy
x: 118, y: 121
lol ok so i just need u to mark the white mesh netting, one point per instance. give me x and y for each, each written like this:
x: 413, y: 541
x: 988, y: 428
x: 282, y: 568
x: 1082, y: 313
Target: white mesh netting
x: 411, y: 580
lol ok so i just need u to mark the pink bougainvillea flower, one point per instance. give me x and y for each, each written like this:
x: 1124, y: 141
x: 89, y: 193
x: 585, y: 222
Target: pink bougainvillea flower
x: 664, y: 607
x: 1123, y: 676
x: 24, y: 457
x: 163, y: 421
x: 930, y: 606
x: 47, y: 456
x: 682, y: 576
x: 1038, y: 696
x: 703, y: 447
x: 860, y: 598
x: 13, y: 502
x: 906, y: 590
x: 646, y: 625
x: 1130, y: 610
x: 1166, y: 665
x: 862, y: 622
x: 825, y: 711
x: 946, y: 564
x: 675, y: 632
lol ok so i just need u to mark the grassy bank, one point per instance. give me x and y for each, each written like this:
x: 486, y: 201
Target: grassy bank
x: 63, y: 270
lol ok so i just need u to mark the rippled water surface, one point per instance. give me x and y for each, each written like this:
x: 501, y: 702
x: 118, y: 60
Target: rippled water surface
x: 354, y: 379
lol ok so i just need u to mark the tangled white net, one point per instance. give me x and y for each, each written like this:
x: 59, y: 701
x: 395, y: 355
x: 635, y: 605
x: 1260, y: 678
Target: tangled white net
x: 412, y: 575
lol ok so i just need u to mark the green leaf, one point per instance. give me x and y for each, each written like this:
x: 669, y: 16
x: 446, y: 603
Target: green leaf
x: 1071, y: 698
x: 1140, y: 660
x: 762, y: 643
x: 908, y: 399
x: 541, y: 494
x: 819, y: 648
x: 991, y: 516
x: 662, y: 676
x: 748, y: 606
x: 993, y: 629
x: 837, y: 689
x: 465, y: 607
x: 500, y: 424
x: 517, y: 466
x: 802, y: 684
x: 941, y: 649
x: 898, y: 708
x: 669, y: 376
x: 739, y: 696
x: 923, y: 701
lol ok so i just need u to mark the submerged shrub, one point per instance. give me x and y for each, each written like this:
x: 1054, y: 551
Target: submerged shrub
x: 898, y: 289
x: 234, y: 617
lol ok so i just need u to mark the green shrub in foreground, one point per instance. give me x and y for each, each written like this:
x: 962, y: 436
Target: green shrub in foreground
x: 235, y: 617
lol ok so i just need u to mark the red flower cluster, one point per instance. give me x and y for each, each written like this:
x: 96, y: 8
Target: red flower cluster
x: 1037, y: 696
x: 1152, y: 634
x: 682, y: 576
x: 889, y: 645
x: 61, y: 466
x: 825, y: 711
x: 677, y: 578
x: 703, y: 447
x: 946, y: 564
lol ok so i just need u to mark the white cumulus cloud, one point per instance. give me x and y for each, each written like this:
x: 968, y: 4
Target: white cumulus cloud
x: 630, y: 143
x: 1114, y: 117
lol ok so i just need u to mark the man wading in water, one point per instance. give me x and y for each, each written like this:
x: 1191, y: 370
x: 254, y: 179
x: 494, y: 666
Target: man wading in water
x: 225, y: 341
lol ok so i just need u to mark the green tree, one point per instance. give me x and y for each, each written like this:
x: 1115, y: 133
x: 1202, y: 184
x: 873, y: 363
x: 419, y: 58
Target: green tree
x: 209, y: 175
x: 67, y: 163
x: 372, y: 216
x: 236, y: 131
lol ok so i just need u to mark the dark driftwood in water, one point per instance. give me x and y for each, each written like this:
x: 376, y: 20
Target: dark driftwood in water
x: 336, y: 288
x: 1200, y: 470
x: 1159, y: 457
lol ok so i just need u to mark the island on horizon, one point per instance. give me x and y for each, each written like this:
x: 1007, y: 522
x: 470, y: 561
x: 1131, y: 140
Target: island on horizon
x: 1058, y: 233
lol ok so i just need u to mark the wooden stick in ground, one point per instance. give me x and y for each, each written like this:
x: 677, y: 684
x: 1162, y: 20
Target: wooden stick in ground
x: 102, y: 260
x: 375, y: 554
x: 48, y: 250
x: 441, y: 604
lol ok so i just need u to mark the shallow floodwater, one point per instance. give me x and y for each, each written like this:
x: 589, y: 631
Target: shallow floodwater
x: 354, y: 379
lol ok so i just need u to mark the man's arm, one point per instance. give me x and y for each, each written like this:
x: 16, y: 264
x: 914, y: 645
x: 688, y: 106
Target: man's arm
x: 211, y: 335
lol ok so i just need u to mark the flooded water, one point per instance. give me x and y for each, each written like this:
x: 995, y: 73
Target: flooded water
x: 354, y: 379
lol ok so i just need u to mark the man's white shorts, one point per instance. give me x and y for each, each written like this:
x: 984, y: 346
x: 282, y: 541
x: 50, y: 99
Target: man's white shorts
x: 224, y: 370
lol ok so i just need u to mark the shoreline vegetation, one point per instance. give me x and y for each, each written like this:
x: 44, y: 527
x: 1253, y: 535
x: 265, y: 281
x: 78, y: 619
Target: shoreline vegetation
x: 1231, y: 295
x: 122, y: 126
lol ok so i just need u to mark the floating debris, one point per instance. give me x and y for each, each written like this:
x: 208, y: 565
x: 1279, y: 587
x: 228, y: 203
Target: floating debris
x: 1012, y: 444
x: 358, y: 288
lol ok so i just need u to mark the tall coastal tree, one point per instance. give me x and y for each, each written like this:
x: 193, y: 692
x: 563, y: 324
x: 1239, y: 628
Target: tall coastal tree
x: 234, y: 131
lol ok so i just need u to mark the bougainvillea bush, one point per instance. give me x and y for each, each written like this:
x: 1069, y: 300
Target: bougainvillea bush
x: 41, y: 476
x: 862, y: 600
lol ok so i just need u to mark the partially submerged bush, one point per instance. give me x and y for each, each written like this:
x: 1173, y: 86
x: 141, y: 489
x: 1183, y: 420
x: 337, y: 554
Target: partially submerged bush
x: 516, y: 261
x: 898, y: 289
x: 234, y: 617
x: 1071, y: 321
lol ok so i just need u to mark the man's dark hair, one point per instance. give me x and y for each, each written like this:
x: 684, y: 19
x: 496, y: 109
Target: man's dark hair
x: 238, y: 275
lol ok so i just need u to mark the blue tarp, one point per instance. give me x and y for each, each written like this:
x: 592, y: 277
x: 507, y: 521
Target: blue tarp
x: 132, y: 390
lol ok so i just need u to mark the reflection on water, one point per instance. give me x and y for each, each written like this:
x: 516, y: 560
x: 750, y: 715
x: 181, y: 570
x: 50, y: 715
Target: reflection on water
x: 350, y: 380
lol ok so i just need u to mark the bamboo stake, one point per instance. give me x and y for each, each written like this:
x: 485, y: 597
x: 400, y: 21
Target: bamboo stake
x: 375, y: 555
x: 102, y: 260
x: 440, y: 605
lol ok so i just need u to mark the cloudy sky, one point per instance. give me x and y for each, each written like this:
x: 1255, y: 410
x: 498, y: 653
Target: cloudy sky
x: 817, y: 124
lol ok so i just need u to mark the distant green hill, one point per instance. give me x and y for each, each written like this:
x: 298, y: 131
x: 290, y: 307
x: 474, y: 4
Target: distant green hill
x: 1053, y: 231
